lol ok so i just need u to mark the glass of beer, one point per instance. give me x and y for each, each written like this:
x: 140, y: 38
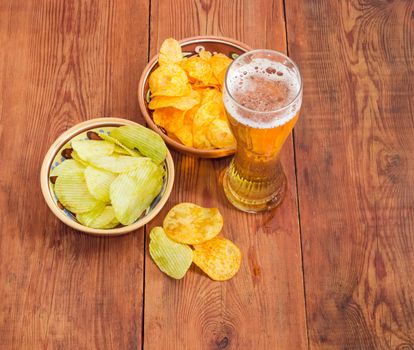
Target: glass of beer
x: 262, y: 97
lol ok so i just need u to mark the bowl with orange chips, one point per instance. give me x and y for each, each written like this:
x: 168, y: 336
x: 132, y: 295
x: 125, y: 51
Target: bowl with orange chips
x: 180, y: 94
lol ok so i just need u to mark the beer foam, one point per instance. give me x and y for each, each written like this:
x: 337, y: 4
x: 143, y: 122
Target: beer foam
x: 247, y: 85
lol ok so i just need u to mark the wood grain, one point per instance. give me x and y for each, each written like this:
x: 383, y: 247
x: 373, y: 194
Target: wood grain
x: 263, y: 306
x: 355, y: 168
x: 62, y: 62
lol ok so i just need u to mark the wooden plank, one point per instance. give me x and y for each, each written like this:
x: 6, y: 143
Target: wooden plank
x: 63, y: 62
x: 355, y: 161
x: 263, y: 306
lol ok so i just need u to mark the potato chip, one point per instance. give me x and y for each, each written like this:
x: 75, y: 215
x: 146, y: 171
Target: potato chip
x: 112, y: 224
x: 72, y: 191
x: 67, y: 166
x: 89, y: 149
x: 168, y: 118
x: 118, y: 145
x: 172, y: 258
x: 99, y: 182
x: 101, y: 217
x: 169, y: 80
x: 148, y: 142
x: 202, y: 120
x: 181, y: 102
x: 76, y: 157
x: 219, y: 258
x: 133, y: 192
x: 198, y: 69
x: 184, y: 132
x: 205, y: 55
x: 170, y: 52
x: 117, y: 163
x: 191, y: 224
x: 219, y: 134
x: 219, y: 63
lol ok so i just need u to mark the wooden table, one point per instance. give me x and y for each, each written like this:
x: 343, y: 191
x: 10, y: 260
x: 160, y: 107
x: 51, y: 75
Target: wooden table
x: 332, y: 268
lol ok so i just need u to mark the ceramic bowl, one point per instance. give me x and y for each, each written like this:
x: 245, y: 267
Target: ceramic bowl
x: 190, y: 46
x: 54, y: 157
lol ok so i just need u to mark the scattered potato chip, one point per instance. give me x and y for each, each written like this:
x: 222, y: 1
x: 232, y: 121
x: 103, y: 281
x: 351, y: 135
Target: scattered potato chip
x: 198, y: 69
x: 219, y: 134
x: 67, y: 166
x: 191, y: 224
x: 133, y: 192
x: 72, y: 191
x: 180, y: 102
x: 219, y: 258
x: 172, y: 258
x: 148, y: 142
x: 170, y: 52
x: 99, y: 182
x: 169, y: 80
x: 90, y: 149
x: 101, y: 217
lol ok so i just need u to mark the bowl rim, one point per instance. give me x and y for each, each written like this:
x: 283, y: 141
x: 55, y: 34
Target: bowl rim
x: 48, y: 192
x: 214, y: 153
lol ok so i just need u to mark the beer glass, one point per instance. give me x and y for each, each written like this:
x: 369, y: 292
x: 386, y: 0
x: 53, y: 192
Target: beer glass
x: 262, y: 97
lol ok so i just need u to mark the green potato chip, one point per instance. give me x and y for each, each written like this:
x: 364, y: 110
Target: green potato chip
x: 91, y: 149
x: 118, y: 163
x: 119, y: 146
x: 148, y: 142
x: 98, y: 182
x: 132, y: 193
x: 172, y: 258
x: 72, y: 191
x: 101, y: 217
x: 67, y: 166
x: 76, y: 157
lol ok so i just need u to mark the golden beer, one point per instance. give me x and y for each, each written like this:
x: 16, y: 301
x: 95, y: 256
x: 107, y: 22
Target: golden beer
x: 263, y: 96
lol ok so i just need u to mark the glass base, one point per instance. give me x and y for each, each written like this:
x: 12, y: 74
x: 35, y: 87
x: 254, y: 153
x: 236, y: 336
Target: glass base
x: 249, y: 205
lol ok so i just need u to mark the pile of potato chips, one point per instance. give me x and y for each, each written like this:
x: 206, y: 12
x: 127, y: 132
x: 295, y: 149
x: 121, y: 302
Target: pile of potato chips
x: 186, y: 96
x: 189, y: 224
x: 113, y: 178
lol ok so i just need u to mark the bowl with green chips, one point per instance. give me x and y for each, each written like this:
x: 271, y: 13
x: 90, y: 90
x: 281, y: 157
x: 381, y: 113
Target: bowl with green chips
x: 107, y: 176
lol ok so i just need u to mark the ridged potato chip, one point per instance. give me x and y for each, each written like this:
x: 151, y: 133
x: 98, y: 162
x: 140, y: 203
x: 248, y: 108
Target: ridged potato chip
x: 172, y: 258
x: 169, y: 80
x: 90, y: 149
x: 119, y: 146
x: 219, y: 134
x: 148, y: 142
x: 99, y: 182
x: 117, y: 163
x: 180, y: 102
x: 191, y: 224
x: 101, y: 217
x: 68, y: 166
x: 133, y: 192
x: 219, y: 258
x: 198, y: 69
x: 170, y: 52
x: 72, y: 191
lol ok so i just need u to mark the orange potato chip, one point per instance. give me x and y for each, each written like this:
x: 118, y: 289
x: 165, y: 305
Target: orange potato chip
x: 169, y: 80
x: 219, y: 134
x: 180, y: 102
x: 198, y: 69
x: 168, y: 118
x: 202, y: 120
x: 191, y: 224
x: 170, y: 52
x: 219, y: 64
x: 219, y: 258
x: 205, y: 55
x: 184, y: 132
